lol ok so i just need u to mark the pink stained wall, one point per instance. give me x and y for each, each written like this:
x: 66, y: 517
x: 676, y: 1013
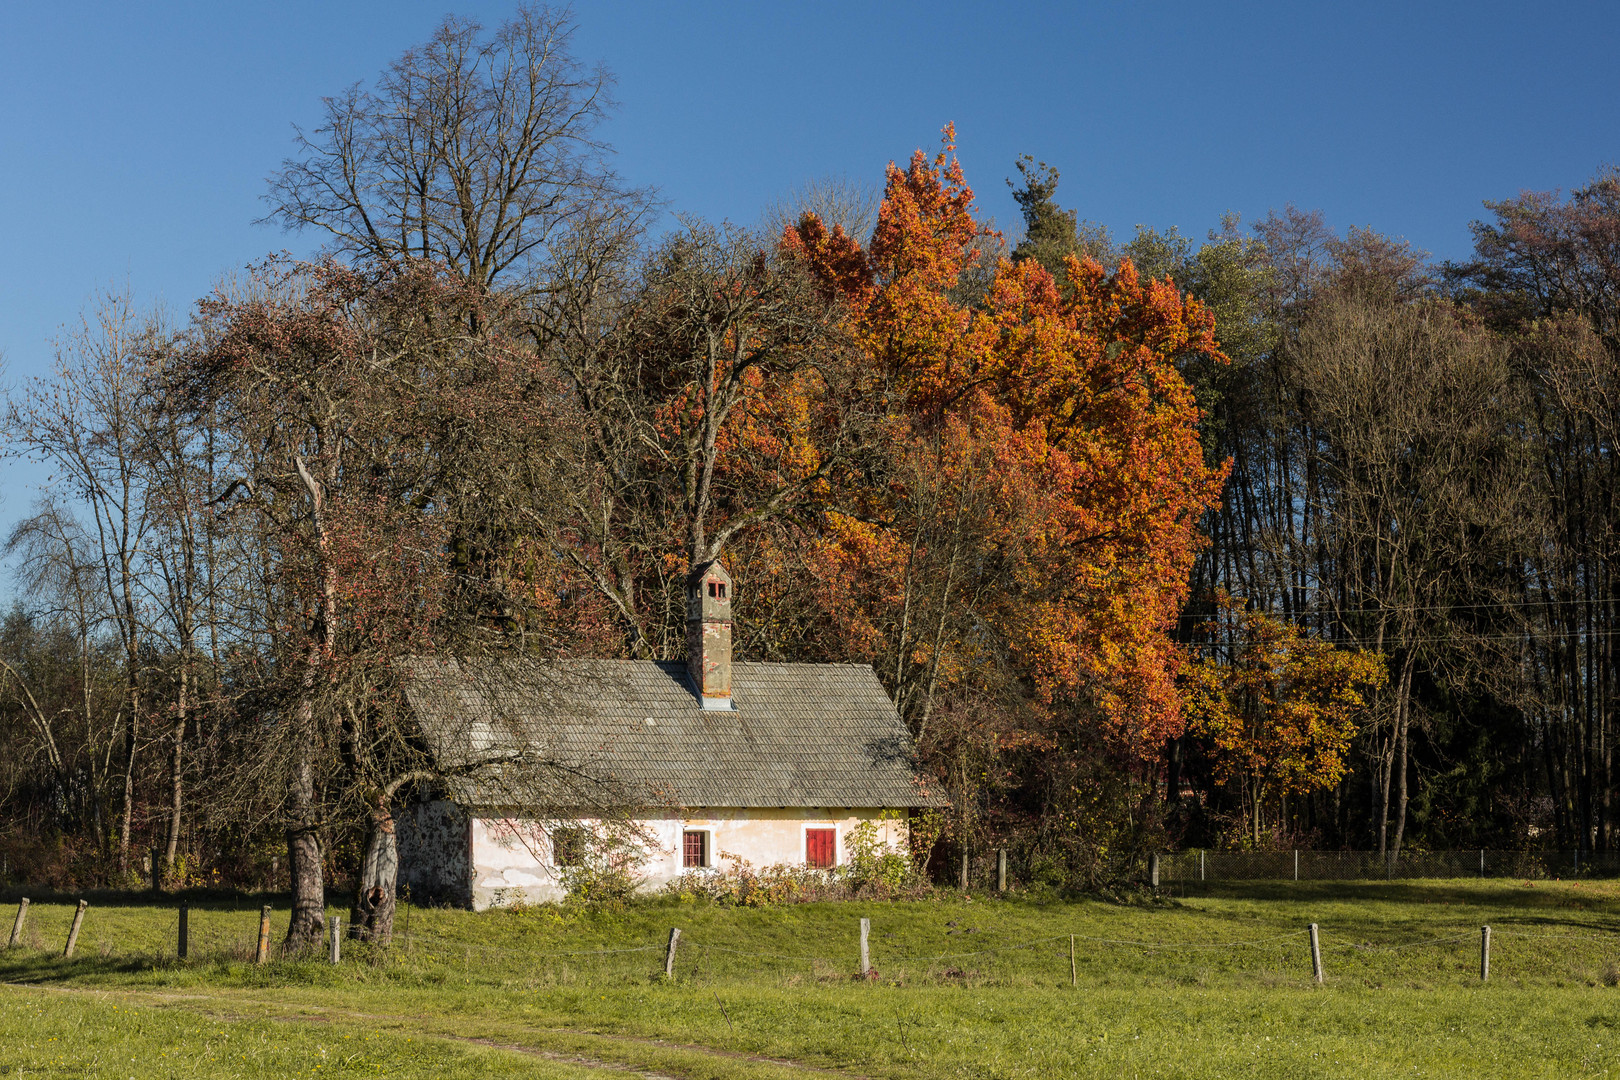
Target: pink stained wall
x: 512, y: 860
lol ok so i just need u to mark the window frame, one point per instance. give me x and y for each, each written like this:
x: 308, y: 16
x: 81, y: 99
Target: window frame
x: 707, y: 839
x: 570, y: 839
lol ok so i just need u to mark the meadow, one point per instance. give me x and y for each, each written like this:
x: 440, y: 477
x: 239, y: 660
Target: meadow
x: 1213, y: 982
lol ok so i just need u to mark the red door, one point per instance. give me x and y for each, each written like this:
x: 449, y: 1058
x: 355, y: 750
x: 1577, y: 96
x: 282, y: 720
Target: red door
x: 821, y: 847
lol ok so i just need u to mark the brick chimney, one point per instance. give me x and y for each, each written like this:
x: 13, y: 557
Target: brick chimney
x: 708, y: 636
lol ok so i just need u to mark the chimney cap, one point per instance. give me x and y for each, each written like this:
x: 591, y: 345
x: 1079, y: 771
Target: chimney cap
x: 708, y: 597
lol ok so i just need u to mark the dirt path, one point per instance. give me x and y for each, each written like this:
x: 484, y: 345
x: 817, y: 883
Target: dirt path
x: 299, y: 1012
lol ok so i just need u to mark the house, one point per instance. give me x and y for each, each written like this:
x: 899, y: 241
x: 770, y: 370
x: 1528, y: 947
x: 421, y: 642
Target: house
x: 696, y: 764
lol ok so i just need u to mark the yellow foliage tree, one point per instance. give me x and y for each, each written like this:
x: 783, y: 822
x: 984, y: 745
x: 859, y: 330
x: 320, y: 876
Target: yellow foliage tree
x: 1277, y: 708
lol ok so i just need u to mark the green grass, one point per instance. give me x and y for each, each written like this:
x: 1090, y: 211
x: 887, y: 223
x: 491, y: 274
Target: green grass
x: 977, y: 988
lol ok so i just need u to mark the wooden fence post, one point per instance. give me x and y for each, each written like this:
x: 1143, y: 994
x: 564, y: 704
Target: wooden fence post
x: 336, y: 938
x: 1153, y: 869
x: 1001, y: 870
x: 964, y: 882
x: 73, y: 931
x: 183, y: 944
x: 16, y: 927
x: 1074, y: 976
x: 1316, y: 955
x: 157, y: 869
x: 669, y: 953
x: 1484, y: 953
x: 263, y: 952
x: 866, y: 955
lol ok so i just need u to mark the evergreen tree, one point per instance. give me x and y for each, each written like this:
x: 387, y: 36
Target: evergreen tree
x: 1051, y: 233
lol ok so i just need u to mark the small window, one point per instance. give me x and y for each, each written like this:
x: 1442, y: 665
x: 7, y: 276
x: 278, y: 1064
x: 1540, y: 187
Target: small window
x: 695, y: 848
x: 567, y: 846
x: 821, y: 847
x: 722, y: 590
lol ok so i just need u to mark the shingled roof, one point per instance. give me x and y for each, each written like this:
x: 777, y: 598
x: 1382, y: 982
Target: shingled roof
x: 798, y: 735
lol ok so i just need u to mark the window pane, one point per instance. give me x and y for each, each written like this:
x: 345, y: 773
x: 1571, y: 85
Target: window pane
x: 567, y: 846
x: 695, y: 848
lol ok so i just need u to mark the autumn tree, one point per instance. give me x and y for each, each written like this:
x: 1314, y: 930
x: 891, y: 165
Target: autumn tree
x: 1278, y: 709
x: 1027, y: 544
x: 711, y: 403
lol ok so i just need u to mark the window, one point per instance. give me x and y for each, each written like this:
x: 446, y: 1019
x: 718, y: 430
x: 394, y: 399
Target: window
x: 694, y: 848
x: 567, y: 846
x: 821, y: 847
x: 717, y: 590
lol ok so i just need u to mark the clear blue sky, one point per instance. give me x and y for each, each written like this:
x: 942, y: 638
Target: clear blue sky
x: 135, y: 138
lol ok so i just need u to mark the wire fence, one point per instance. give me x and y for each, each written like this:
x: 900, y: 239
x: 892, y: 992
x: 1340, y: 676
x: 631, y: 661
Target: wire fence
x: 1303, y: 865
x: 1538, y: 947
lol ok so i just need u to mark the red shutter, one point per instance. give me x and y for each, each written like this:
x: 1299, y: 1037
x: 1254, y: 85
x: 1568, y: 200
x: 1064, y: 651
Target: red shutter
x: 821, y: 847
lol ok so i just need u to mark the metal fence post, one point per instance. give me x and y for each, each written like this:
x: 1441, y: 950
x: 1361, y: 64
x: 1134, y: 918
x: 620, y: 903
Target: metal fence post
x: 1481, y: 862
x: 1316, y: 955
x: 182, y: 946
x: 1200, y: 864
x: 1296, y: 864
x: 1484, y: 953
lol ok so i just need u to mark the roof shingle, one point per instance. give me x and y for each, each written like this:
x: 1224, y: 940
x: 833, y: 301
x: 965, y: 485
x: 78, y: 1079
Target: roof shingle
x: 798, y: 735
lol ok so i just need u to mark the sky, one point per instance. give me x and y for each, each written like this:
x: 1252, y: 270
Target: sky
x: 135, y: 138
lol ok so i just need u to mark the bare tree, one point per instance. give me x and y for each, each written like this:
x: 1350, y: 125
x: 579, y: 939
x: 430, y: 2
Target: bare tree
x: 838, y: 201
x: 86, y: 422
x: 475, y: 150
x: 1419, y: 488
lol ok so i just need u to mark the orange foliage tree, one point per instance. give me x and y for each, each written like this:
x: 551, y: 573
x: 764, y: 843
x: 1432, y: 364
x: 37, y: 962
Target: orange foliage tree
x: 1017, y: 557
x: 1050, y: 423
x: 1277, y: 709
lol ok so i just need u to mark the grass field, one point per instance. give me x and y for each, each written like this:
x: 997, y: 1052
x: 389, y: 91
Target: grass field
x: 1214, y: 983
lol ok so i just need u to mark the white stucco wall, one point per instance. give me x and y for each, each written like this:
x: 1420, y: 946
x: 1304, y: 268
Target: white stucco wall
x: 511, y: 858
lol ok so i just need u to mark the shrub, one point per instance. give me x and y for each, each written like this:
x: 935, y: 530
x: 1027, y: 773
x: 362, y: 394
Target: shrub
x: 874, y: 869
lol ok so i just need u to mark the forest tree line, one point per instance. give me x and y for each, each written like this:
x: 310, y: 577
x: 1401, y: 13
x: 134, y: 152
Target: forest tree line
x: 1285, y: 537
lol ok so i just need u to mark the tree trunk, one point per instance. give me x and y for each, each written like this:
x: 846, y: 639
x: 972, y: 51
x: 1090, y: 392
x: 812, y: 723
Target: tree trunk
x: 303, y: 838
x: 1403, y: 714
x: 126, y: 817
x: 177, y: 779
x: 372, y: 917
